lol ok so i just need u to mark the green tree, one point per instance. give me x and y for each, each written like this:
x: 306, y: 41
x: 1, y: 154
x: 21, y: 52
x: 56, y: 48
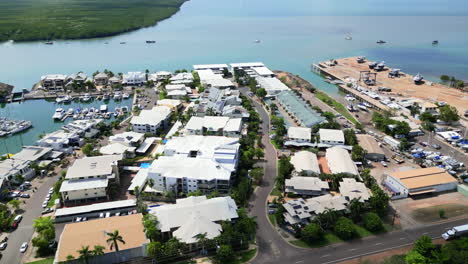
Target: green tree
x: 225, y: 254
x: 258, y: 152
x: 15, y: 203
x: 311, y: 233
x: 413, y: 257
x: 150, y: 224
x: 350, y: 137
x: 85, y: 254
x: 256, y: 174
x: 202, y: 241
x: 379, y: 200
x: 424, y: 246
x: 87, y: 149
x: 154, y: 249
x: 456, y: 251
x: 372, y: 222
x: 70, y: 257
x: 327, y: 219
x: 261, y: 92
x: 427, y: 117
x: 113, y: 239
x: 444, y: 78
x: 448, y: 114
x: 356, y: 208
x: 98, y: 250
x: 344, y: 228
x: 404, y: 144
x: 358, y: 153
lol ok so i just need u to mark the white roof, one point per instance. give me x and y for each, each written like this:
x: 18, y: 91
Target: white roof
x: 177, y: 93
x: 92, y: 166
x: 263, y: 71
x: 331, y: 135
x: 209, y: 66
x: 176, y: 215
x: 146, y: 145
x: 352, y: 189
x: 115, y: 148
x: 139, y: 179
x: 54, y: 77
x: 305, y: 161
x: 219, y: 82
x: 173, y: 103
x: 247, y: 64
x: 197, y: 224
x: 234, y: 124
x: 300, y: 133
x: 171, y: 87
x: 84, y: 184
x: 31, y: 153
x: 306, y: 183
x: 211, y: 123
x: 339, y: 161
x: 183, y: 76
x: 94, y: 207
x: 128, y: 137
x: 153, y: 117
x: 272, y: 84
x: 193, y: 168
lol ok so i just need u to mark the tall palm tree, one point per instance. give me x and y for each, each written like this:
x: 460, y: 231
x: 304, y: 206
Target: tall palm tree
x: 98, y: 250
x: 202, y: 240
x: 85, y: 253
x: 114, y: 239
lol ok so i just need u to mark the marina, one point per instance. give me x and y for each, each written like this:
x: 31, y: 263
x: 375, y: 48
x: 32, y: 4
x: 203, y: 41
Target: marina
x: 11, y: 127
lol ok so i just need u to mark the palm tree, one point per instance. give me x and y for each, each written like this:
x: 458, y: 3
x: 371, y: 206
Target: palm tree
x: 202, y: 240
x: 70, y: 257
x: 85, y: 253
x: 114, y: 239
x: 98, y: 250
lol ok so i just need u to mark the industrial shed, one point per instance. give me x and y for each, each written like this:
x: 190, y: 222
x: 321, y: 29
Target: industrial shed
x: 374, y: 152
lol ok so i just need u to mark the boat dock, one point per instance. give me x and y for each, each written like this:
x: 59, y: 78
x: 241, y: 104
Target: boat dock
x: 349, y: 70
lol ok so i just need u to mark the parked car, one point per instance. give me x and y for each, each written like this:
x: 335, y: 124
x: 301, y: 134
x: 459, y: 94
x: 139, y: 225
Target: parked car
x: 25, y: 195
x: 51, y: 190
x: 436, y: 146
x: 24, y: 247
x: 18, y: 218
x: 384, y: 163
x: 44, y: 204
x: 3, y: 245
x: 26, y: 183
x: 47, y: 210
x: 424, y: 143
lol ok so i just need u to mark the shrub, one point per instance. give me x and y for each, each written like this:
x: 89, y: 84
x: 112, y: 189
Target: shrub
x: 345, y: 229
x: 311, y: 233
x: 372, y: 222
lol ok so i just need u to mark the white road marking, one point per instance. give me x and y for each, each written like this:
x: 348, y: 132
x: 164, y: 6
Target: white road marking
x: 352, y: 249
x: 425, y: 233
x: 401, y: 238
x: 300, y: 261
x: 324, y: 256
x: 378, y: 244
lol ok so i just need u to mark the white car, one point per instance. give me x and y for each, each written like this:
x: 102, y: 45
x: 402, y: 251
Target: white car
x: 3, y: 245
x: 24, y: 247
x: 44, y: 204
x: 51, y: 190
x: 384, y: 163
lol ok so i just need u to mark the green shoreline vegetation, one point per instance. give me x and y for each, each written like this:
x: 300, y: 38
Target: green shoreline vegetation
x: 30, y: 20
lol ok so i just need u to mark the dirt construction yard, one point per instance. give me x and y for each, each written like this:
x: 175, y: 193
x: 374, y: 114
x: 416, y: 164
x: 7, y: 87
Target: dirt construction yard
x: 426, y: 209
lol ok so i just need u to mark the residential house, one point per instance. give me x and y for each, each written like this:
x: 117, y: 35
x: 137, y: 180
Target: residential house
x: 195, y: 215
x: 306, y: 186
x: 332, y: 137
x: 151, y: 121
x: 351, y: 189
x: 299, y: 137
x: 94, y: 233
x: 101, y: 78
x: 302, y: 211
x: 305, y: 162
x: 61, y: 141
x: 214, y: 125
x: 88, y: 178
x: 134, y: 78
x: 53, y: 82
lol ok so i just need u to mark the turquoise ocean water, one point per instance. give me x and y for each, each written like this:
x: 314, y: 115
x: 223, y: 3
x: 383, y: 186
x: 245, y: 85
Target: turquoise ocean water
x: 293, y: 35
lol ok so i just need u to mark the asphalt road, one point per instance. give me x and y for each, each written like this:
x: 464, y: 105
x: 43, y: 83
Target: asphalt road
x: 33, y: 209
x: 272, y: 248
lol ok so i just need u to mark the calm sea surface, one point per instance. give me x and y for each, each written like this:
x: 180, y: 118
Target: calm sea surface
x: 293, y: 35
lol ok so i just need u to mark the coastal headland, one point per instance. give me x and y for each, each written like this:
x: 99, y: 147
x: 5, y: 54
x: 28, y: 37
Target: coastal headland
x: 30, y: 20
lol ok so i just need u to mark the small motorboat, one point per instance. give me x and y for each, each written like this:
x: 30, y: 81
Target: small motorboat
x: 58, y: 114
x: 107, y: 115
x: 435, y: 42
x: 348, y: 38
x: 125, y: 96
x: 49, y: 43
x: 103, y: 108
x: 361, y: 59
x: 418, y: 78
x: 373, y: 64
x: 86, y: 98
x: 123, y: 42
x: 117, y: 96
x: 257, y: 41
x: 381, y: 41
x: 150, y: 41
x: 106, y: 97
x: 124, y: 109
x: 70, y: 111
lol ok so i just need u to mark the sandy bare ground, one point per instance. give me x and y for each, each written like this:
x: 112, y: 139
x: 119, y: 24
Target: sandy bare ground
x: 404, y: 85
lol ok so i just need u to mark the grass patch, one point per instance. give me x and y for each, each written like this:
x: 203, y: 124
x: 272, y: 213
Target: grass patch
x: 43, y: 261
x: 245, y: 256
x: 337, y: 106
x: 328, y: 239
x: 274, y: 144
x: 272, y: 219
x: 275, y: 192
x: 52, y: 199
x: 431, y: 213
x: 70, y: 19
x: 362, y: 232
